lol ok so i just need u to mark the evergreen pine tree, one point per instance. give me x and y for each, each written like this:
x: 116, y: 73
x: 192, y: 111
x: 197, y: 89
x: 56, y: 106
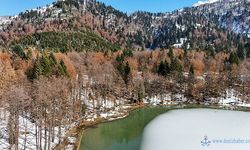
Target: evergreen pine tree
x: 29, y: 54
x: 141, y: 92
x: 247, y: 48
x: 17, y: 49
x: 127, y: 72
x: 176, y: 65
x: 120, y: 58
x: 233, y: 58
x: 45, y: 65
x: 241, y: 53
x: 52, y: 59
x: 63, y: 69
x: 163, y: 68
x: 185, y: 53
x: 171, y: 53
x: 191, y: 70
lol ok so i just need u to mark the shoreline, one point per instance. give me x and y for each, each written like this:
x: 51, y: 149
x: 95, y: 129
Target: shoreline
x: 129, y: 109
x: 80, y: 129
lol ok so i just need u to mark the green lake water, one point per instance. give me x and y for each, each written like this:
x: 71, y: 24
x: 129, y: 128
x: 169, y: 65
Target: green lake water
x: 124, y: 134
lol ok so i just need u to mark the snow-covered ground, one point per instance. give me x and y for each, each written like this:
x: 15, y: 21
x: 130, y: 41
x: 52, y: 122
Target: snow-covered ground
x: 27, y: 130
x: 5, y: 20
x: 232, y: 99
x: 165, y: 99
x: 99, y: 108
x: 108, y: 109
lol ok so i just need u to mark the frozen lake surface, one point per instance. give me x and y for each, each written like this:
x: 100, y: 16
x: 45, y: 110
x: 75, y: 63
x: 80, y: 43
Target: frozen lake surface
x: 198, y: 129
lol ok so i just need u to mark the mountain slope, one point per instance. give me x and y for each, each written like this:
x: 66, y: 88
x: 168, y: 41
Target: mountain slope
x: 222, y: 25
x: 199, y: 3
x: 207, y: 20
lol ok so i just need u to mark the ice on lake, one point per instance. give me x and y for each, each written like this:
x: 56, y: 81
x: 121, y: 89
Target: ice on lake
x: 198, y: 129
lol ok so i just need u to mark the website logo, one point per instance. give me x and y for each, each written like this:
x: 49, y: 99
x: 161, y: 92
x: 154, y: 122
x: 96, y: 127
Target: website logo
x: 205, y: 142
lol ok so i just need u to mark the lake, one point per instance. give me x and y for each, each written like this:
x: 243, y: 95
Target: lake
x: 168, y: 128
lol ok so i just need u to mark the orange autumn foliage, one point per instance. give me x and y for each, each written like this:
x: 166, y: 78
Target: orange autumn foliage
x: 155, y: 56
x: 70, y: 67
x: 7, y: 72
x: 217, y: 63
x: 213, y: 66
x: 98, y: 58
x: 4, y: 57
x: 198, y: 66
x: 178, y: 52
x: 133, y: 65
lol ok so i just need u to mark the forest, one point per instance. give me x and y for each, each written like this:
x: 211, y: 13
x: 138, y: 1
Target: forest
x: 54, y: 90
x: 73, y: 62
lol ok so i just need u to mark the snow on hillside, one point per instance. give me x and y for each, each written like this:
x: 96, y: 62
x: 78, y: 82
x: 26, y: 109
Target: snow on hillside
x: 27, y: 130
x: 108, y: 109
x: 199, y: 3
x: 232, y: 99
x: 5, y: 20
x: 95, y: 110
